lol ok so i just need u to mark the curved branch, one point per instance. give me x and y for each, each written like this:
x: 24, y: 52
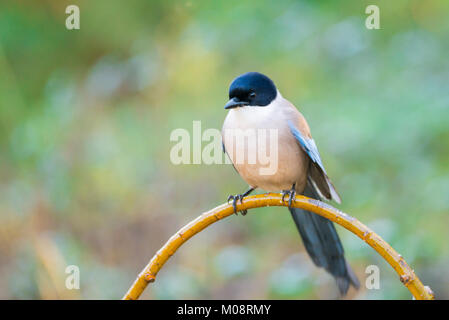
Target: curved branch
x: 406, y: 274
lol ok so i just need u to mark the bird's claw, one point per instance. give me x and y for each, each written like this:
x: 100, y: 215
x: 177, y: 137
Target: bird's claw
x: 291, y: 195
x: 238, y: 197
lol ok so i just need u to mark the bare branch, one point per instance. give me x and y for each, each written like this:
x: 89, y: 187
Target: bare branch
x: 406, y: 274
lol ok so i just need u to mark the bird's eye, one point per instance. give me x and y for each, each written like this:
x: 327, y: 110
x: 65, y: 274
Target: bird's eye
x: 252, y: 95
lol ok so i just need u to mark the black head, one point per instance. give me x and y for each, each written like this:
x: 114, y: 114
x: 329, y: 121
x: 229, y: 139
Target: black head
x: 251, y: 89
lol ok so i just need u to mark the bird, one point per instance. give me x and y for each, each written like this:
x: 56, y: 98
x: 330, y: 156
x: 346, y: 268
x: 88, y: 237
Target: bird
x: 255, y: 104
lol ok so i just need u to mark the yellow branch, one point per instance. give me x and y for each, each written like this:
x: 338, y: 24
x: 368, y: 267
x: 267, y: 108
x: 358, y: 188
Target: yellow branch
x: 406, y: 274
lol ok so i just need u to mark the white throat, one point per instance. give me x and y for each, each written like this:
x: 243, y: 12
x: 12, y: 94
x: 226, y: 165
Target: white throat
x: 256, y: 116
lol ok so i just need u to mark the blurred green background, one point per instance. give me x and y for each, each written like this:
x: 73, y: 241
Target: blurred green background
x: 86, y: 117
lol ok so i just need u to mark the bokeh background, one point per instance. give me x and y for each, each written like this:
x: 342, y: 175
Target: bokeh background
x: 85, y: 123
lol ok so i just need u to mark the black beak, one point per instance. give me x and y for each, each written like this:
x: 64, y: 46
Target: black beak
x: 234, y: 103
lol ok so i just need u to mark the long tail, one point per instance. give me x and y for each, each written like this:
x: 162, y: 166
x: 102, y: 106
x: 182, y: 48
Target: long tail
x: 323, y: 244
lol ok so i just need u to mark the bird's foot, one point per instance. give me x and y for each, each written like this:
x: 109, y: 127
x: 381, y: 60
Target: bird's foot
x: 291, y: 195
x: 238, y: 197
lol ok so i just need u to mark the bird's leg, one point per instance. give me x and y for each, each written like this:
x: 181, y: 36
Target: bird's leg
x: 239, y: 197
x: 291, y: 195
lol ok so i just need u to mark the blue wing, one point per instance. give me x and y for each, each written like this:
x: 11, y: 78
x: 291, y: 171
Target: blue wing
x: 308, y: 146
x: 317, y: 174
